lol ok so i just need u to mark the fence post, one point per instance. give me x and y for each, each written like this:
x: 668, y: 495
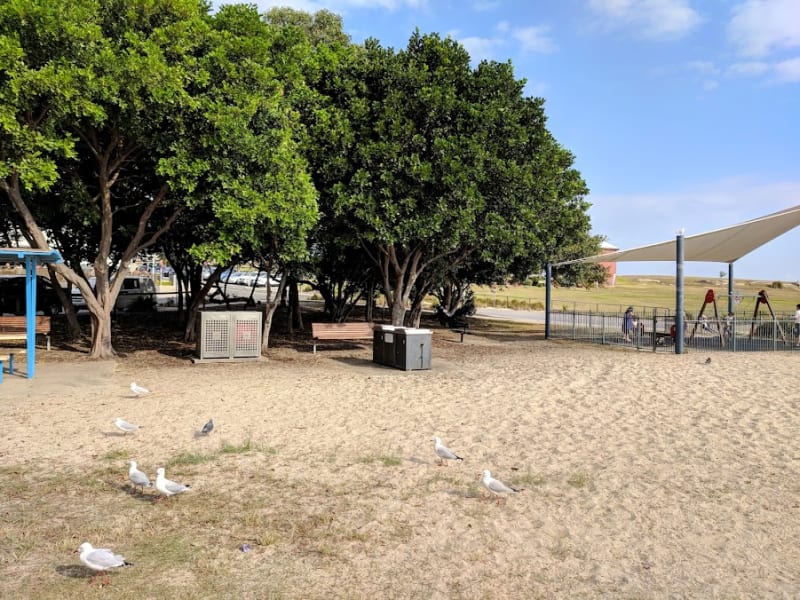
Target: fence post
x: 655, y: 324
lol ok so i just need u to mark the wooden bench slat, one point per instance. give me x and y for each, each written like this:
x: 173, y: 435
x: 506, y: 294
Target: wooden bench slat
x: 341, y: 331
x: 12, y: 326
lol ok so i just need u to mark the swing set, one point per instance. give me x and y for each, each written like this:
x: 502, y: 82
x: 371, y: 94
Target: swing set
x: 711, y: 299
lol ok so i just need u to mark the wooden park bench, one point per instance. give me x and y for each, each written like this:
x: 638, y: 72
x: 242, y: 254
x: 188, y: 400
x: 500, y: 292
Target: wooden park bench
x: 457, y: 322
x: 8, y: 356
x: 341, y: 331
x: 15, y: 328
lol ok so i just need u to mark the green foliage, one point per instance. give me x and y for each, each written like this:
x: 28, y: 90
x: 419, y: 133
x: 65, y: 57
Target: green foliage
x: 449, y: 166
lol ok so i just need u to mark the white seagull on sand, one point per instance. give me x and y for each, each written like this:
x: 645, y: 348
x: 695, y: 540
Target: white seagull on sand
x: 496, y: 487
x: 100, y: 560
x: 443, y: 452
x: 139, y: 390
x: 124, y: 425
x: 167, y: 487
x: 137, y: 477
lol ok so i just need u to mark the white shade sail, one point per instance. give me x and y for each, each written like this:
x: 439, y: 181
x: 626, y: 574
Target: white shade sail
x: 725, y: 245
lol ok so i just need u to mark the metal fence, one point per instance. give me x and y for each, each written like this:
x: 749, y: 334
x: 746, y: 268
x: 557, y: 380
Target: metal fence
x: 654, y: 329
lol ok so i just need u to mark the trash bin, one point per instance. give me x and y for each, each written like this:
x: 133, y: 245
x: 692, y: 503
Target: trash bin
x: 412, y: 348
x: 383, y: 345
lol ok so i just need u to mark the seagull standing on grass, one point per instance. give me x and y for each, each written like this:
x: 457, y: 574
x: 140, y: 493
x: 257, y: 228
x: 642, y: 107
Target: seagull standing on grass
x: 139, y: 390
x: 443, y: 452
x: 100, y: 560
x: 498, y: 488
x: 208, y: 427
x: 138, y: 478
x: 167, y: 487
x: 124, y: 425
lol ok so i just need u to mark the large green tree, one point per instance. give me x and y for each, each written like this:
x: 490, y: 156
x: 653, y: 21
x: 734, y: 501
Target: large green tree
x: 146, y: 110
x: 253, y: 198
x: 448, y: 165
x: 94, y: 87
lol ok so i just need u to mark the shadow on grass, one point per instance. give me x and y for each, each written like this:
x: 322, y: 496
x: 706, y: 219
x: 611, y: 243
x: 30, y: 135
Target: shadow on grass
x: 75, y: 571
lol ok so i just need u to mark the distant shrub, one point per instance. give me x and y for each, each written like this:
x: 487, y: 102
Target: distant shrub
x: 777, y: 285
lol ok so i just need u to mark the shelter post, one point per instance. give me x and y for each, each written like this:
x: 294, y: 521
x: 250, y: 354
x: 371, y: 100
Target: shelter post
x: 730, y: 288
x: 30, y: 311
x: 548, y: 280
x: 679, y: 316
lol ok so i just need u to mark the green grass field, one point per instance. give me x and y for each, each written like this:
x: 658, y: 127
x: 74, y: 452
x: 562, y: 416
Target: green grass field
x: 651, y: 291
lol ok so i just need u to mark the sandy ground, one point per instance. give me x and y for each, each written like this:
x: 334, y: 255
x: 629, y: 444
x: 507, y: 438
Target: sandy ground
x: 646, y: 476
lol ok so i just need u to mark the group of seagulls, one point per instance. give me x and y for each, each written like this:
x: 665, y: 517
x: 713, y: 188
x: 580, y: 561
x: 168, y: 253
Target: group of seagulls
x: 495, y: 486
x: 164, y: 486
x: 128, y: 427
x: 101, y: 560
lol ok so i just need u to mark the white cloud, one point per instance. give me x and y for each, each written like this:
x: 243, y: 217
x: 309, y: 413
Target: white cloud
x: 704, y: 67
x: 534, y: 39
x: 480, y: 48
x: 531, y: 39
x: 337, y: 6
x: 752, y: 68
x: 485, y: 5
x: 654, y: 19
x: 759, y: 27
x: 788, y: 70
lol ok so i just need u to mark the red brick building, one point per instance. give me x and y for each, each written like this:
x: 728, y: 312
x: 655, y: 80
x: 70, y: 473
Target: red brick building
x: 611, y: 267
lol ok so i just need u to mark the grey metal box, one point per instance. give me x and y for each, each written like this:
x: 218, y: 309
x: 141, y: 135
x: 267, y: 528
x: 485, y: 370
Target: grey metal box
x: 412, y: 348
x: 229, y: 335
x: 383, y: 338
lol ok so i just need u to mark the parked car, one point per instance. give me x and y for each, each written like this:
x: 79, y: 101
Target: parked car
x: 12, y: 296
x: 262, y: 281
x: 137, y: 293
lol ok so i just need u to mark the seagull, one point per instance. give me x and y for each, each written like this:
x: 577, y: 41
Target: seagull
x: 208, y: 427
x: 137, y: 477
x: 497, y: 487
x: 167, y: 487
x: 443, y: 452
x: 124, y: 425
x: 139, y: 390
x: 100, y: 560
x: 708, y: 360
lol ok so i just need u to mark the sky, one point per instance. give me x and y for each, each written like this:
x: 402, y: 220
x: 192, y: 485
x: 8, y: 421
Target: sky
x: 681, y: 114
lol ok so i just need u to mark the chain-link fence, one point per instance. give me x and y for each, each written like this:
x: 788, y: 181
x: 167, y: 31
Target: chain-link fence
x: 654, y: 329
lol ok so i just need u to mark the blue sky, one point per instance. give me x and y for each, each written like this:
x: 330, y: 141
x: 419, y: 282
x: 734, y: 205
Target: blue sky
x: 681, y: 114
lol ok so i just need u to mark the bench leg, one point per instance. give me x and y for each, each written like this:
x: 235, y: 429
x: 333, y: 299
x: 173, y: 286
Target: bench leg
x: 48, y: 342
x: 314, y: 350
x: 11, y: 363
x: 1, y: 371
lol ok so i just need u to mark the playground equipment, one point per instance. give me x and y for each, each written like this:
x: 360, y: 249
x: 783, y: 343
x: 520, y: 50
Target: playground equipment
x: 762, y: 298
x: 712, y: 300
x: 726, y: 330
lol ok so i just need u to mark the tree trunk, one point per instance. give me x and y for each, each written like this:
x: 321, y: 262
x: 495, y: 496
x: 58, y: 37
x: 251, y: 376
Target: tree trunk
x: 73, y: 326
x: 101, y: 336
x: 370, y: 302
x: 269, y: 310
x: 295, y: 314
x: 189, y: 332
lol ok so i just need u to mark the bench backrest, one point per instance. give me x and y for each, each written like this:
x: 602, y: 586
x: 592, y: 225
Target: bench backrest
x: 341, y: 330
x: 16, y: 324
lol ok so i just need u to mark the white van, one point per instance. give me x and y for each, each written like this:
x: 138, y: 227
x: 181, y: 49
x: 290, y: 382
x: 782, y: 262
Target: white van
x: 136, y: 291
